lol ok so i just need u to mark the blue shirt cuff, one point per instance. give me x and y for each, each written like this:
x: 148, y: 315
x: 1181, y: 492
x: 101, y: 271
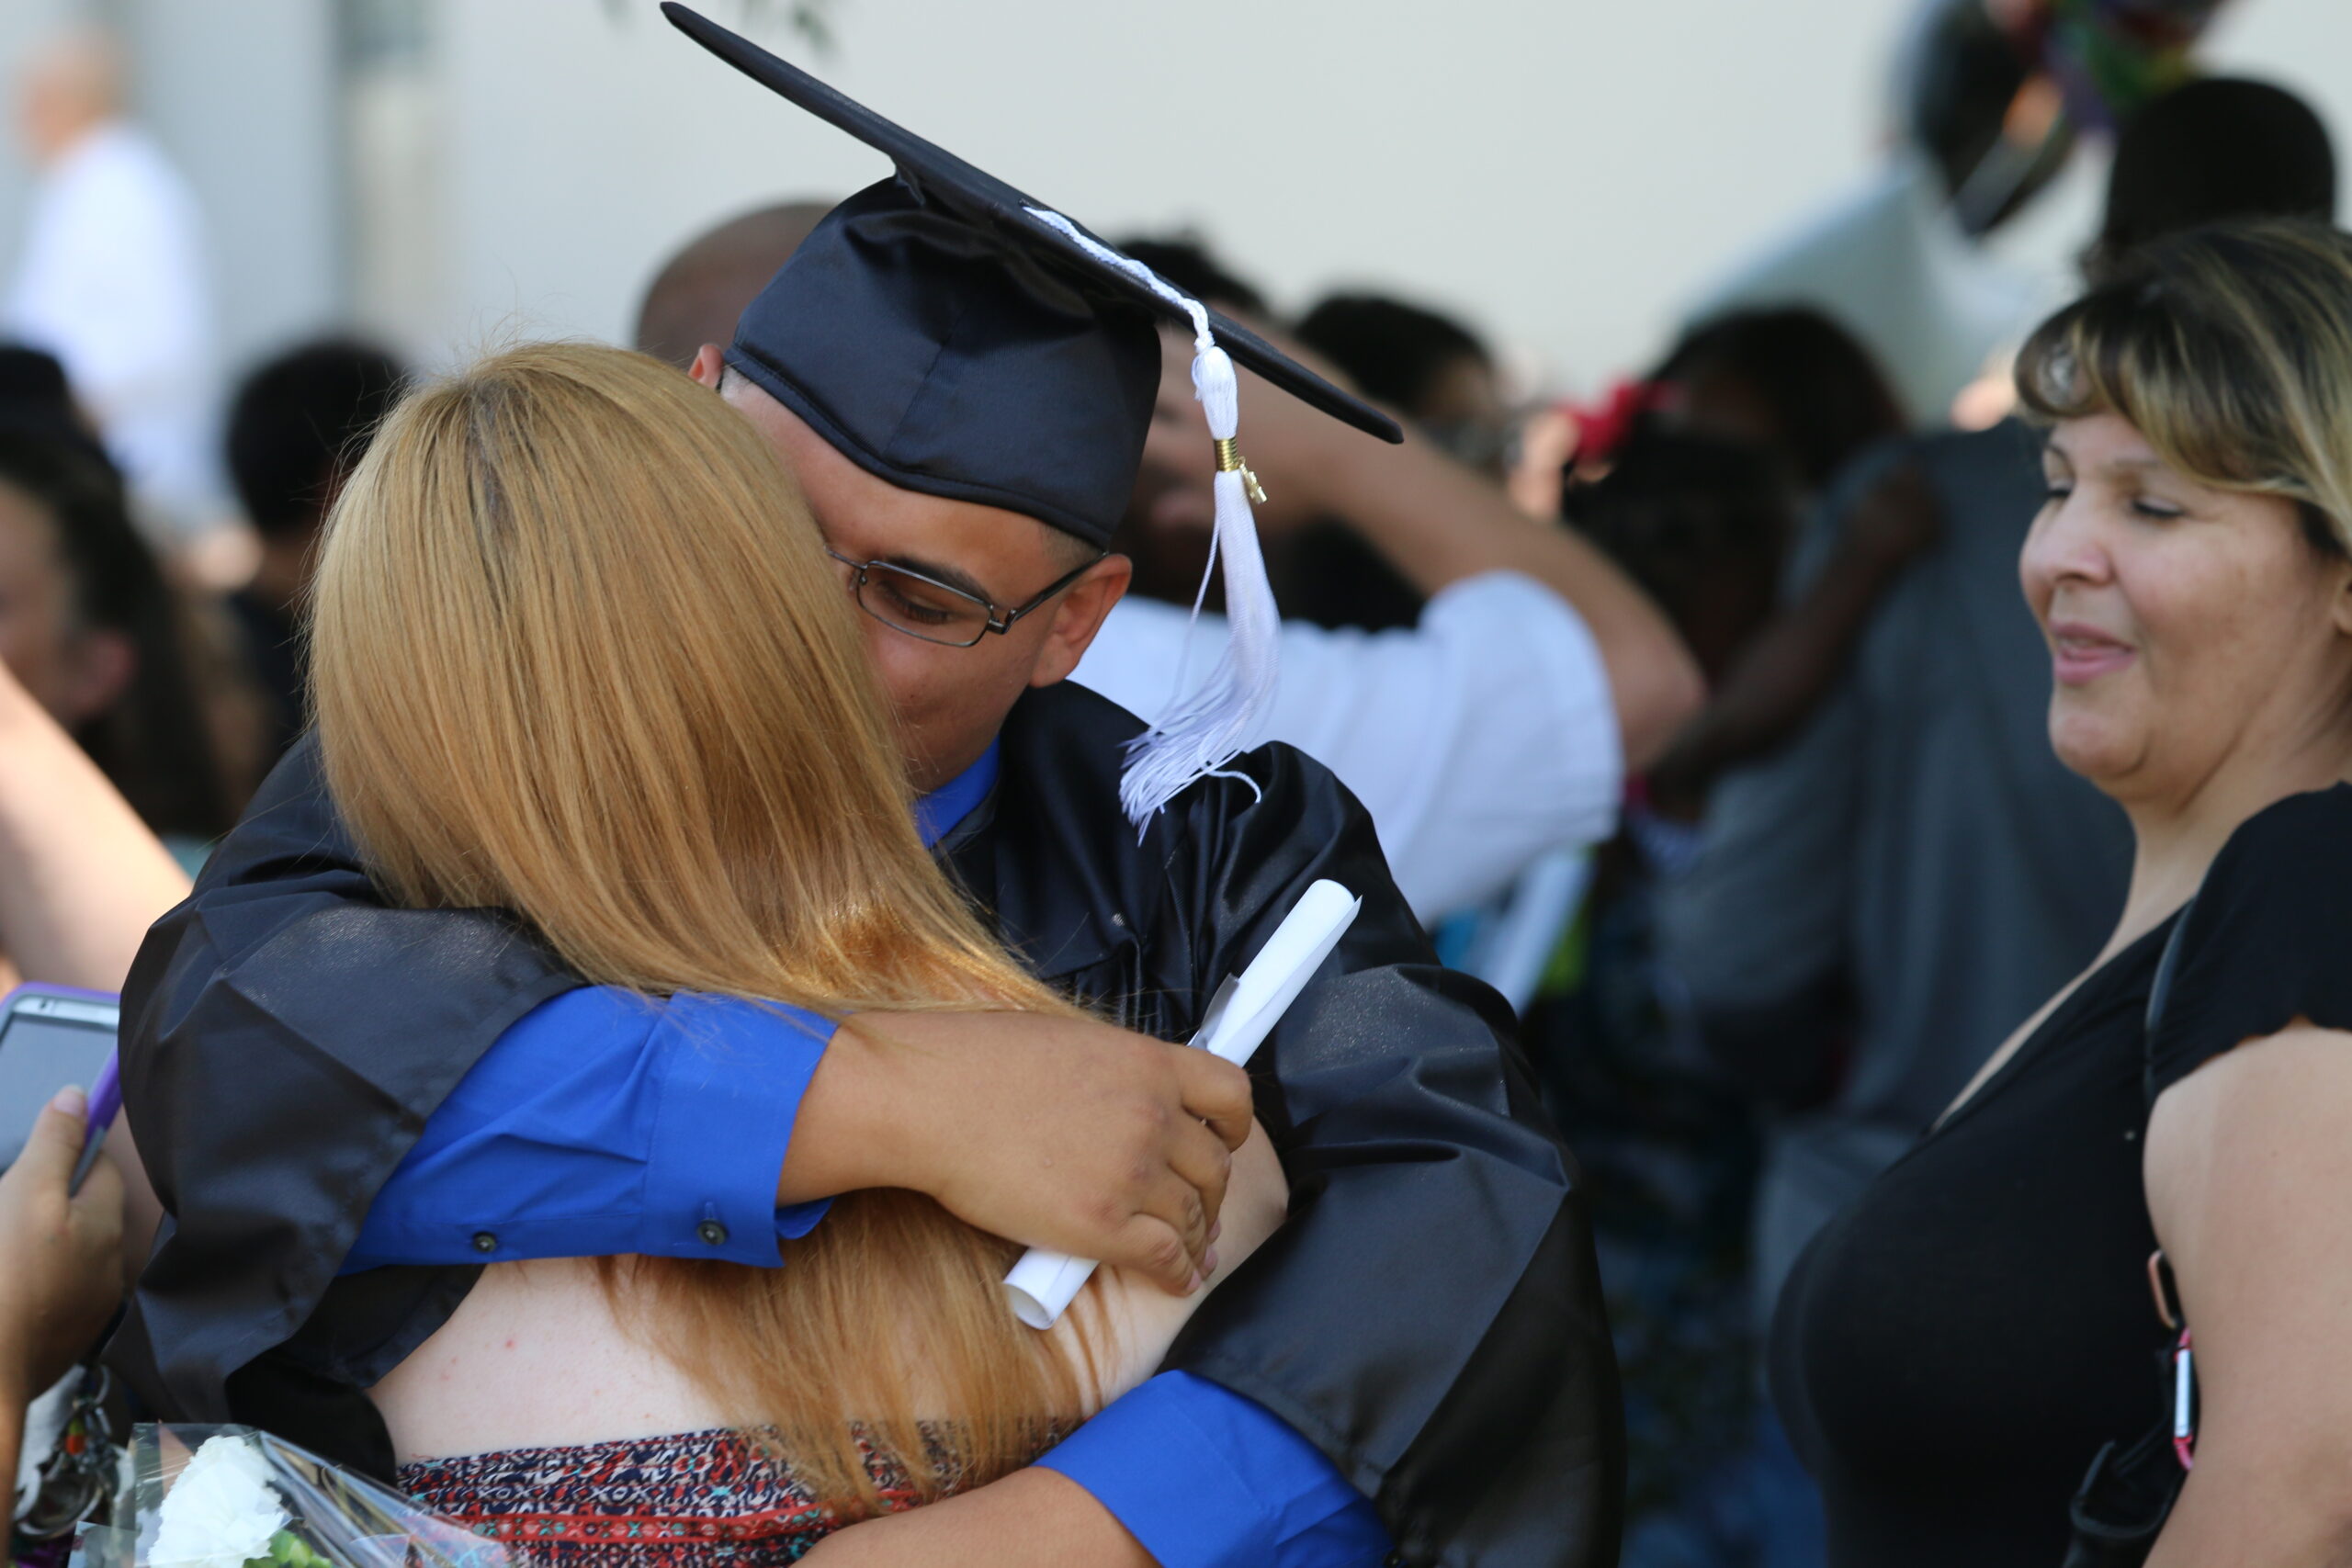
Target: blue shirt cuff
x: 734, y: 1081
x: 1204, y: 1478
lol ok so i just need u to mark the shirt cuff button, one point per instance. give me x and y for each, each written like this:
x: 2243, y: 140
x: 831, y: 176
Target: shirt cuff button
x: 485, y: 1242
x: 712, y: 1233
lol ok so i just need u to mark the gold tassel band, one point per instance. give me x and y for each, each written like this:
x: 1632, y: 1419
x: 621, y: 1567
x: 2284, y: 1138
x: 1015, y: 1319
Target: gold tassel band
x: 1230, y: 461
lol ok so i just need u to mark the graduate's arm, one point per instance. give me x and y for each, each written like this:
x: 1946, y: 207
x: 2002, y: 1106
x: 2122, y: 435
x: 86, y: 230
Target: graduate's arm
x: 605, y: 1122
x: 1031, y: 1519
x: 1055, y: 1132
x: 1193, y: 1473
x: 275, y: 1010
x: 286, y: 956
x: 1180, y: 1473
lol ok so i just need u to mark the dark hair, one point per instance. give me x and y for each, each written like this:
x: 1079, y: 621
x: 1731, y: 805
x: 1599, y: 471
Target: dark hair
x: 1826, y: 394
x: 1394, y: 351
x: 2230, y: 350
x: 1673, y: 505
x: 1185, y: 261
x: 35, y: 396
x: 31, y: 379
x: 297, y: 425
x: 153, y: 744
x: 2207, y: 153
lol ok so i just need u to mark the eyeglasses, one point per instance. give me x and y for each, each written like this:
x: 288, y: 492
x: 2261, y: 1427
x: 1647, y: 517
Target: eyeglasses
x: 923, y: 607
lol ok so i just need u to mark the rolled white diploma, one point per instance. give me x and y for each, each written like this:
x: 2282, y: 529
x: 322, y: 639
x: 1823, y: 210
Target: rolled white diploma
x: 1239, y: 1016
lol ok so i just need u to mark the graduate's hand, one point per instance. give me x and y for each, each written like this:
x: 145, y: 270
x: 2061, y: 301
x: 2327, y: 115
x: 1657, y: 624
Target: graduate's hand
x: 60, y: 1273
x: 1051, y: 1132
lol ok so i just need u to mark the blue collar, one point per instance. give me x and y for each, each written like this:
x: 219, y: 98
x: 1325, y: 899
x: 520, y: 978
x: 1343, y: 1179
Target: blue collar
x: 940, y: 810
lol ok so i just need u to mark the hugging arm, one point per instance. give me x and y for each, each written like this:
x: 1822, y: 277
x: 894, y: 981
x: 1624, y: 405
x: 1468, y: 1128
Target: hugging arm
x: 287, y: 1039
x: 606, y: 1124
x: 283, y: 1034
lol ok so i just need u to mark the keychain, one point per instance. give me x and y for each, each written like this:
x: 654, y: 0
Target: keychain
x: 77, y: 1478
x: 2183, y: 1360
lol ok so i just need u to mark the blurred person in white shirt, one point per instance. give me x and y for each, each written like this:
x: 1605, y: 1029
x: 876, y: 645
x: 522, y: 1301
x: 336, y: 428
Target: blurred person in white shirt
x: 1498, y: 728
x: 1487, y: 737
x: 111, y: 279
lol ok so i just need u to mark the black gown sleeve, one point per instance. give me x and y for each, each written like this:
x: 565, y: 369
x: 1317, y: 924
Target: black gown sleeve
x: 272, y: 1080
x: 1431, y: 1313
x: 2268, y: 940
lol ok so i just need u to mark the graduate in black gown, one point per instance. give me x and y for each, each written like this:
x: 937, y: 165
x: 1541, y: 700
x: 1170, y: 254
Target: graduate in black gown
x: 1429, y: 1318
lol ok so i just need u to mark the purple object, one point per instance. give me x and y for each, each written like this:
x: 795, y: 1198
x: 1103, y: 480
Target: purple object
x: 106, y: 1095
x: 105, y: 1101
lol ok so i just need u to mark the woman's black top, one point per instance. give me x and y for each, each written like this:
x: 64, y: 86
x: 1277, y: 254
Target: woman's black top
x: 1951, y: 1351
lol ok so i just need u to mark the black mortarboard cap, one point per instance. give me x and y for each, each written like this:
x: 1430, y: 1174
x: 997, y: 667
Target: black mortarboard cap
x: 941, y: 335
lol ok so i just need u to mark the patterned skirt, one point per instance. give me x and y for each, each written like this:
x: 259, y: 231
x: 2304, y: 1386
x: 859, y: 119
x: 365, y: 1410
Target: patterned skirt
x: 679, y: 1501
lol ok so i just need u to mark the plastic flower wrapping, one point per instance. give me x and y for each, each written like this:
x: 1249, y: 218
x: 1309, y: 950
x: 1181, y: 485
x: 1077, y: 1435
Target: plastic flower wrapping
x: 232, y: 1497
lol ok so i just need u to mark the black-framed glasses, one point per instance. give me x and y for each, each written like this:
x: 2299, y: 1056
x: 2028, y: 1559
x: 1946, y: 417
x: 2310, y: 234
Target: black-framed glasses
x: 924, y: 607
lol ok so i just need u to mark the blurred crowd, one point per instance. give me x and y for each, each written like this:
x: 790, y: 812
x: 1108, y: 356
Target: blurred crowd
x: 1763, y: 893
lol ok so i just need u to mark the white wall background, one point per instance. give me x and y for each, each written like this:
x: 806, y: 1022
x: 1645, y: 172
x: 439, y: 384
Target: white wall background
x: 243, y: 94
x: 1564, y: 173
x: 1560, y: 170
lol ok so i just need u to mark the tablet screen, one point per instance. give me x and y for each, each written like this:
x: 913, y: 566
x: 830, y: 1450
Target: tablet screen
x: 40, y: 1052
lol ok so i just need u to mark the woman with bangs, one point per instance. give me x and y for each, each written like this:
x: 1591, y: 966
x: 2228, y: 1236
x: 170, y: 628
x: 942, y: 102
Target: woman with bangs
x: 1953, y: 1352
x: 572, y: 659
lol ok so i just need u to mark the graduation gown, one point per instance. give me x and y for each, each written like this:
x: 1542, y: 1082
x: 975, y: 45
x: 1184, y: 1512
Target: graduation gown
x: 1430, y: 1316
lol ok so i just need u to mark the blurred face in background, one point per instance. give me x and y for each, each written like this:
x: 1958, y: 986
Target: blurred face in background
x: 1462, y: 408
x: 67, y: 89
x: 74, y: 671
x: 2193, y: 631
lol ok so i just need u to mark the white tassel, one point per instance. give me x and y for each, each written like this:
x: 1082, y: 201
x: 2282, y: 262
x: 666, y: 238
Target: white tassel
x: 1198, y: 735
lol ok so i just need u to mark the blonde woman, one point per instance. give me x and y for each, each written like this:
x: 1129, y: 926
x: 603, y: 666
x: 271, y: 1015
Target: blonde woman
x: 574, y: 659
x: 1955, y: 1348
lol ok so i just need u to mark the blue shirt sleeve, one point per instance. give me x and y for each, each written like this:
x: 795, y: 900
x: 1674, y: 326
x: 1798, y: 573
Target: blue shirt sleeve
x: 1205, y: 1478
x: 607, y: 1123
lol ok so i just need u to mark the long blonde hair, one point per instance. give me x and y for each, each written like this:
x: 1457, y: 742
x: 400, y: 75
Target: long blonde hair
x: 578, y: 654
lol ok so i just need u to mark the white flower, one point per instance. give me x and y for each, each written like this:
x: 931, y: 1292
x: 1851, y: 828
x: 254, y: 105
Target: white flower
x: 222, y: 1511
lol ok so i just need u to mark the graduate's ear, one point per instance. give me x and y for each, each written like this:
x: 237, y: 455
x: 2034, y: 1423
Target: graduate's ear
x: 1077, y: 616
x: 710, y: 364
